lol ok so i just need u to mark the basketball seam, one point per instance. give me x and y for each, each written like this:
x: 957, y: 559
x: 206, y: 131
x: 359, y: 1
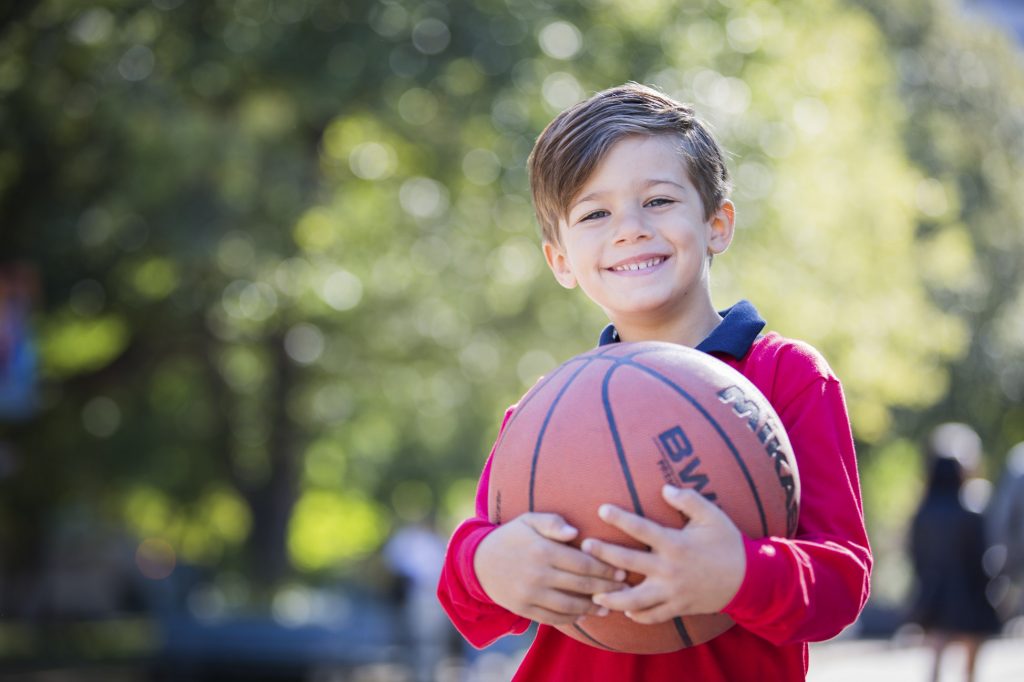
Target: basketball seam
x: 619, y: 450
x: 536, y: 388
x: 681, y: 631
x: 721, y: 432
x: 627, y: 474
x: 591, y: 638
x: 547, y: 420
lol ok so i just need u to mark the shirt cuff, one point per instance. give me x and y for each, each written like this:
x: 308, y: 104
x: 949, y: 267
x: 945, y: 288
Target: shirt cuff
x: 467, y: 552
x: 758, y: 591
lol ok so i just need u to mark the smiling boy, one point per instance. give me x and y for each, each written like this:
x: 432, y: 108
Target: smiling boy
x: 631, y: 191
x: 645, y: 261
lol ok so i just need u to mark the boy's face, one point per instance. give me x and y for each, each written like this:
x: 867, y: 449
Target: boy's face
x: 636, y: 240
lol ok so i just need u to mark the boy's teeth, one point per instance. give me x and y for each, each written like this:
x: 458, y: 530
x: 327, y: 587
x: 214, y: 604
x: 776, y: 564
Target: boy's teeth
x: 638, y: 266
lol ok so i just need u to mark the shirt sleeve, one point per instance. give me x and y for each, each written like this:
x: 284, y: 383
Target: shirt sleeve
x: 474, y: 614
x: 809, y: 587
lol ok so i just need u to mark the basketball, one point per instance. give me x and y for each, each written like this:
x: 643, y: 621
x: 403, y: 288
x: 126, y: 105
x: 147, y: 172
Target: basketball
x: 616, y: 424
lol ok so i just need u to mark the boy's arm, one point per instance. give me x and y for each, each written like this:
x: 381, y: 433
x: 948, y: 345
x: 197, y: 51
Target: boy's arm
x: 473, y: 613
x: 810, y: 587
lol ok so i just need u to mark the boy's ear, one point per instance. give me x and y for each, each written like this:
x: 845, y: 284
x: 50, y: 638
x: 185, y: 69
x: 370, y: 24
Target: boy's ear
x: 559, y: 264
x: 723, y: 225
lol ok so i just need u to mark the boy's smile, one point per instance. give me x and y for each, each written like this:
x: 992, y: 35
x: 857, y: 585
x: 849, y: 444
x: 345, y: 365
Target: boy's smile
x: 638, y: 264
x: 637, y: 242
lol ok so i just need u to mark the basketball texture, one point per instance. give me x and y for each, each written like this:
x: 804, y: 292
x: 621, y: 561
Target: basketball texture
x: 617, y: 423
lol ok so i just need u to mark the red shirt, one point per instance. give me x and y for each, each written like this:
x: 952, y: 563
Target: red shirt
x: 798, y: 590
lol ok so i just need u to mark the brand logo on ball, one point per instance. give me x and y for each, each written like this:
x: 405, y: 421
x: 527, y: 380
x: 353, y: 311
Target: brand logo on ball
x: 765, y: 431
x: 676, y: 447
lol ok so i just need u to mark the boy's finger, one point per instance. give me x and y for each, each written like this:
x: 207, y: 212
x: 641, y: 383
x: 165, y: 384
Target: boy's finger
x: 633, y: 599
x: 637, y: 561
x: 662, y: 613
x: 692, y: 504
x: 548, y: 617
x: 557, y: 601
x: 572, y: 560
x: 551, y: 526
x: 583, y: 584
x: 644, y: 530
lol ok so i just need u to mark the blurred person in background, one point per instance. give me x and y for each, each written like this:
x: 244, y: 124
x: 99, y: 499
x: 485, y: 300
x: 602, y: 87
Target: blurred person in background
x: 1006, y: 530
x: 19, y: 291
x: 415, y: 554
x: 947, y: 544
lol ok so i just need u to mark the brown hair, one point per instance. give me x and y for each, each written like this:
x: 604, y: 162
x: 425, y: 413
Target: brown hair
x: 573, y: 144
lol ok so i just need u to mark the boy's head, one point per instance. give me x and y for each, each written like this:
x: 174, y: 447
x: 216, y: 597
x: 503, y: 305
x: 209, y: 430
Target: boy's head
x: 576, y: 141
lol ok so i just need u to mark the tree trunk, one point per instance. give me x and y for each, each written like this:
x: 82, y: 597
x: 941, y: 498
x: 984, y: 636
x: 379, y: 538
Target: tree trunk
x: 272, y: 502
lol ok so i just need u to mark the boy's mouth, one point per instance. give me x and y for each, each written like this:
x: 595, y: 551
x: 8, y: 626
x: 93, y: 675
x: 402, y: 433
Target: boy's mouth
x: 636, y: 265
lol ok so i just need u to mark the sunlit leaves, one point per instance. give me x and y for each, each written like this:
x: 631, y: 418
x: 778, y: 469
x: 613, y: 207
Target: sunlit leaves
x: 964, y: 90
x: 834, y: 227
x: 268, y: 114
x: 325, y: 463
x: 218, y: 522
x: 243, y: 368
x: 947, y: 260
x: 330, y: 529
x: 155, y: 278
x: 412, y: 500
x: 316, y: 231
x: 71, y: 345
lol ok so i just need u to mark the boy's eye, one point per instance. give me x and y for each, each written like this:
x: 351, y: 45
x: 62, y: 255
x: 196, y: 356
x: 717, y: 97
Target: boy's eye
x: 593, y: 215
x: 659, y: 202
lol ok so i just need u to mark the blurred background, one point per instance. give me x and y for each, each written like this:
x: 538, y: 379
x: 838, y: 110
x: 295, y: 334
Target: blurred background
x: 269, y: 275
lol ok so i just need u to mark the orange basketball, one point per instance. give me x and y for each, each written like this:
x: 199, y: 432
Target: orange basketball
x: 617, y: 423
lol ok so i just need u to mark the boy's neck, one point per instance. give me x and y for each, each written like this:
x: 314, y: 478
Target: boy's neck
x: 687, y: 330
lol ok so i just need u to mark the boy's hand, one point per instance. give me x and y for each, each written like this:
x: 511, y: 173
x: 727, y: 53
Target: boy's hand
x: 694, y: 570
x: 526, y: 567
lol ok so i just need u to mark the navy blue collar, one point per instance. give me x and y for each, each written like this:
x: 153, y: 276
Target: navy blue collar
x: 735, y: 334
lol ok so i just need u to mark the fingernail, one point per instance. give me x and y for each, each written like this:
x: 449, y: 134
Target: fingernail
x: 670, y: 491
x: 587, y: 545
x: 604, y: 511
x: 620, y: 575
x: 597, y: 598
x: 568, y: 530
x: 603, y: 611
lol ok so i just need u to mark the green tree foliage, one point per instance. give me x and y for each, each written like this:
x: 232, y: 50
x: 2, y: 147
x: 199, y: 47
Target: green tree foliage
x: 963, y: 89
x: 291, y: 270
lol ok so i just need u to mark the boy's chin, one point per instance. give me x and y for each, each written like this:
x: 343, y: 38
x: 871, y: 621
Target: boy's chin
x: 641, y: 312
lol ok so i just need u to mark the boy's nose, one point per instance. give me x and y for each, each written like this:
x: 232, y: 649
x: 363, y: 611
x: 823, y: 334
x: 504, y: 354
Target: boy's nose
x: 631, y: 227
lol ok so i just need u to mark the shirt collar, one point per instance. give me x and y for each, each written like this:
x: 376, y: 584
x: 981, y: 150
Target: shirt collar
x: 740, y: 326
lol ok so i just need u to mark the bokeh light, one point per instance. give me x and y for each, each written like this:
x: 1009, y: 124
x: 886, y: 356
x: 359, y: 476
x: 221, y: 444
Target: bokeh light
x: 101, y: 417
x: 155, y: 558
x: 560, y: 40
x: 304, y: 343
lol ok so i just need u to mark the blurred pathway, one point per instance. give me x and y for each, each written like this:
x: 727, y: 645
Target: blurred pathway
x: 1001, y: 660
x: 843, y: 660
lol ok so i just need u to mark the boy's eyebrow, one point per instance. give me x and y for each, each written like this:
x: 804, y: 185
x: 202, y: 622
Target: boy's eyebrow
x: 657, y: 181
x: 647, y: 184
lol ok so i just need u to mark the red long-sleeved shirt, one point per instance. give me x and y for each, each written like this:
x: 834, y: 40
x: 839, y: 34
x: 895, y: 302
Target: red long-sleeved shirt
x: 796, y: 590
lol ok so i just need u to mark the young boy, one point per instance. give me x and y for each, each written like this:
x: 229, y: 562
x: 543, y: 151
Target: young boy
x: 631, y: 191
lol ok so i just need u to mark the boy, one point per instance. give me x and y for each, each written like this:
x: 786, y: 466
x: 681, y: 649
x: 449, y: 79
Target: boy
x: 631, y: 191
